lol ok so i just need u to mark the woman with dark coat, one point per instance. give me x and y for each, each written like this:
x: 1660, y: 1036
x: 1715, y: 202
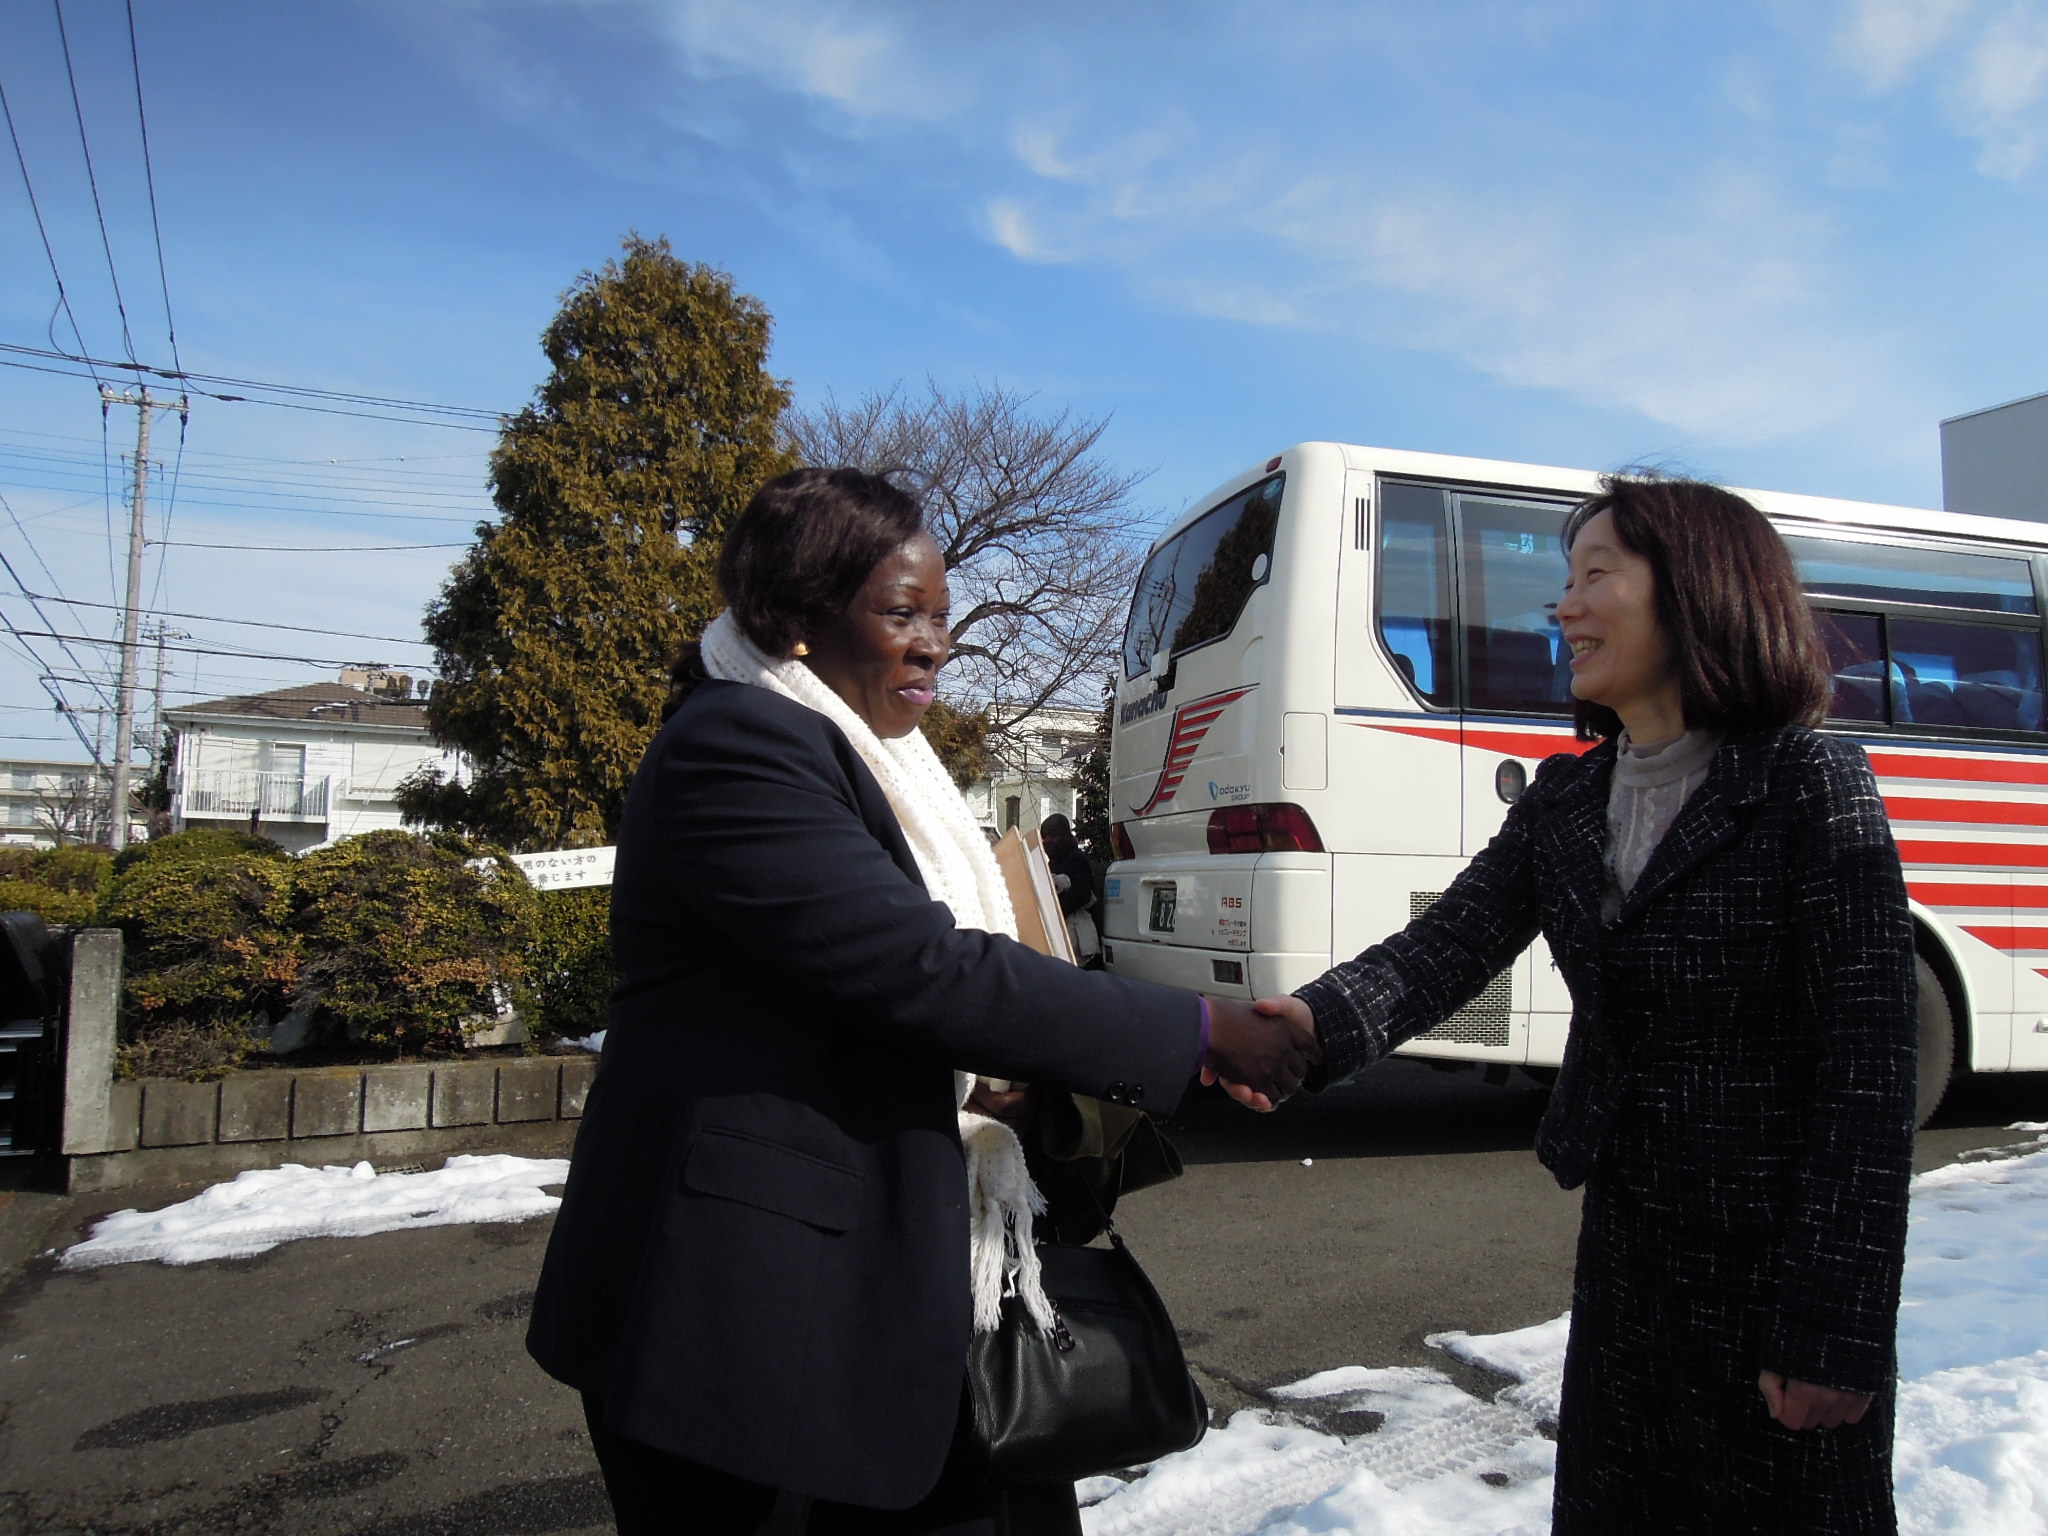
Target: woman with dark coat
x: 772, y: 1246
x: 1719, y: 887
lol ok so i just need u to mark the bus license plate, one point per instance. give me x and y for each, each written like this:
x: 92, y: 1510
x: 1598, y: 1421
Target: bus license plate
x: 1162, y: 908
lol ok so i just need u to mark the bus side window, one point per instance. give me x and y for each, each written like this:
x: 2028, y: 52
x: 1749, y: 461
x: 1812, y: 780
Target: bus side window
x: 1415, y: 588
x: 1855, y: 643
x: 1955, y: 673
x: 1512, y: 572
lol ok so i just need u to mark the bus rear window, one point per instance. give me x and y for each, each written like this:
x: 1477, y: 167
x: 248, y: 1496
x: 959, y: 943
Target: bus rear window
x: 1197, y: 583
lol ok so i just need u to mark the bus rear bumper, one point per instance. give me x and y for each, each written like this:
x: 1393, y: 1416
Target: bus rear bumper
x: 1264, y: 973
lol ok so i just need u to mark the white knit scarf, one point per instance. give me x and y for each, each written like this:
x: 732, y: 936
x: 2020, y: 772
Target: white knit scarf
x: 953, y: 857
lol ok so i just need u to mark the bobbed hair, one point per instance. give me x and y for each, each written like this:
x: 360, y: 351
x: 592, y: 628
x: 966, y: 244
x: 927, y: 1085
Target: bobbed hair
x: 1745, y: 643
x: 798, y: 554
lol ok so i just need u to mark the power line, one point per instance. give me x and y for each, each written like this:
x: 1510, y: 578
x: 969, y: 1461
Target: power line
x: 22, y: 481
x: 348, y: 397
x: 330, y: 463
x: 15, y: 577
x: 63, y: 298
x: 309, y: 549
x: 213, y: 618
x: 294, y: 405
x: 312, y: 485
x: 92, y: 180
x: 193, y: 650
x: 156, y: 226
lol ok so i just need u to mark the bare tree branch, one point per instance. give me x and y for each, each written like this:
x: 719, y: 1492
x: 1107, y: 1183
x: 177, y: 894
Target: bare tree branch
x: 1033, y: 524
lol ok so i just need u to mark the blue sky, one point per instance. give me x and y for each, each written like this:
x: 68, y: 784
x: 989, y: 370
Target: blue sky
x: 1774, y: 242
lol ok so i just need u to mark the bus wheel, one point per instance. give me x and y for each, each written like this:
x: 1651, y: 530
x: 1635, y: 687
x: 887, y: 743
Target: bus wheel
x: 1937, y: 1042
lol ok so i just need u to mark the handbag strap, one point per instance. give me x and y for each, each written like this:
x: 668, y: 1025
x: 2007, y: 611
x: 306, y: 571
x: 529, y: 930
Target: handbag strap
x: 1108, y: 1226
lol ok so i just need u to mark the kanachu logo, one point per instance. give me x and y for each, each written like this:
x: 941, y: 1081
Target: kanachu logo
x: 1139, y: 709
x: 1191, y: 723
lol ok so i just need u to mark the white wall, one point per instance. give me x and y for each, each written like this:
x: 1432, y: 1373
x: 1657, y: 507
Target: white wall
x: 363, y: 771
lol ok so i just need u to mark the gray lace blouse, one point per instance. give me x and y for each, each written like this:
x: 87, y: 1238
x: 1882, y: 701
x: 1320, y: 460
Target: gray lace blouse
x: 1651, y: 785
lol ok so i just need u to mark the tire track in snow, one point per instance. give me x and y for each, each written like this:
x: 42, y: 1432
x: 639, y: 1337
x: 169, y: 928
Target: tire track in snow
x: 1398, y: 1454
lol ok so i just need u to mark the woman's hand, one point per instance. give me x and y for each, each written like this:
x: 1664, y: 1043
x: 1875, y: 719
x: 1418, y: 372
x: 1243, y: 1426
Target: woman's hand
x: 1802, y: 1405
x: 1013, y: 1106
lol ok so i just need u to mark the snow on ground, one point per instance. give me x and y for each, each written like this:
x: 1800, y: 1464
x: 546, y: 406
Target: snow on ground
x: 1973, y: 1353
x: 1972, y: 1430
x: 259, y: 1209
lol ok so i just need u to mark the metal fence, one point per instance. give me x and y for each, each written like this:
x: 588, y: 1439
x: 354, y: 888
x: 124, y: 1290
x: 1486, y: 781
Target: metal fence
x: 228, y: 792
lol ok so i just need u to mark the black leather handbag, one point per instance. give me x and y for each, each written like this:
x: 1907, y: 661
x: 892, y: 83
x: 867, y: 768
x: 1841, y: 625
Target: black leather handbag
x: 1108, y: 1388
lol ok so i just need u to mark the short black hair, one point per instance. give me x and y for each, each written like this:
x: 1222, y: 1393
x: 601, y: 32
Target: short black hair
x: 1747, y: 648
x: 804, y: 547
x: 798, y: 554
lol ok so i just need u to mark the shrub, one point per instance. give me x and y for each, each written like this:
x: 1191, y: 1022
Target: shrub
x: 409, y: 940
x: 83, y: 868
x: 210, y: 956
x: 17, y: 863
x: 75, y: 908
x: 196, y: 844
x: 569, y: 971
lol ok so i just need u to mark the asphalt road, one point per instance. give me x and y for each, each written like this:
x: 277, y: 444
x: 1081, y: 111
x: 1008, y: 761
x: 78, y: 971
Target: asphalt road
x: 376, y: 1387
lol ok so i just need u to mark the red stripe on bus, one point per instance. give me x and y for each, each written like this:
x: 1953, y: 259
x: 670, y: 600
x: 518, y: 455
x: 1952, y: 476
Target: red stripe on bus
x: 1530, y: 744
x: 1990, y: 855
x: 1932, y: 894
x: 2009, y: 938
x: 1974, y: 769
x: 1526, y: 743
x: 2003, y: 813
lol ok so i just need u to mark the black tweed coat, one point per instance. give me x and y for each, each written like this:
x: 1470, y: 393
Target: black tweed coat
x: 1742, y: 1049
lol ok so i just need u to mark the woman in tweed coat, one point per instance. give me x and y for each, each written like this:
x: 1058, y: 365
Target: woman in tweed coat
x: 1719, y: 888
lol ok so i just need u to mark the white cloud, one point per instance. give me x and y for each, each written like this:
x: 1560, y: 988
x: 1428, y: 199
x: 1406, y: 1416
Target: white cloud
x: 850, y: 57
x: 1011, y: 227
x: 2002, y: 85
x: 1884, y: 39
x: 1714, y: 309
x: 1988, y: 64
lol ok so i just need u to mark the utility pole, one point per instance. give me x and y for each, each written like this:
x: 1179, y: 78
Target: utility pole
x: 159, y: 631
x: 131, y: 615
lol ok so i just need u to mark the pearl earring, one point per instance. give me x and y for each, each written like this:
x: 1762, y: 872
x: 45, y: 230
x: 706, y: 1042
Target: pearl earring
x: 800, y: 649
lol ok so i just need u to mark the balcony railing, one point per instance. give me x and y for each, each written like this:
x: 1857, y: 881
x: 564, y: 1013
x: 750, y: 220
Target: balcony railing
x: 279, y: 796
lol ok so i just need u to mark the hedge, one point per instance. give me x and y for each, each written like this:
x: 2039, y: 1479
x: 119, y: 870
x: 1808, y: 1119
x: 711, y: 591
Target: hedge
x: 569, y: 971
x: 410, y: 940
x: 210, y: 958
x: 394, y: 942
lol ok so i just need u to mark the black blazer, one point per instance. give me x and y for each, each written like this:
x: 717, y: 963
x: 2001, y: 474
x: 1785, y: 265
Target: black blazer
x: 1742, y: 1048
x: 761, y: 1258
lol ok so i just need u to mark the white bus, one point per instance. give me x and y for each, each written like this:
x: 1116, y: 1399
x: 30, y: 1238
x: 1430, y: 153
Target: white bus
x: 1342, y: 666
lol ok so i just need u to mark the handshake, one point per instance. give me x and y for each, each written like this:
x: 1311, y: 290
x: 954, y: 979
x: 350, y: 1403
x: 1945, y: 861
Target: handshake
x: 1261, y: 1051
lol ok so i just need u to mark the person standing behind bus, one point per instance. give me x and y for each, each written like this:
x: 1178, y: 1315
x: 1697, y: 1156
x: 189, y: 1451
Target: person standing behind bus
x: 1075, y: 878
x: 1719, y: 887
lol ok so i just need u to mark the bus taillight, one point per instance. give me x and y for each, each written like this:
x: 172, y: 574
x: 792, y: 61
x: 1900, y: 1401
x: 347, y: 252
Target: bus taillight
x: 1120, y: 842
x: 1280, y: 828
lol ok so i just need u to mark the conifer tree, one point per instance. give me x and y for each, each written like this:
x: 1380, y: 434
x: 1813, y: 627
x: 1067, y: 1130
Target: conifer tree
x: 555, y: 633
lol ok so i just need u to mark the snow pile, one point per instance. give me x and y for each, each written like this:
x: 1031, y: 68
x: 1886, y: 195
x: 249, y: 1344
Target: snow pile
x: 1972, y: 1426
x: 259, y: 1209
x: 593, y: 1042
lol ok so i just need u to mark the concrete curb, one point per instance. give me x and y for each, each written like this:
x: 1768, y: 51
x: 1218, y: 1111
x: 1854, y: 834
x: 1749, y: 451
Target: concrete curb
x: 161, y: 1131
